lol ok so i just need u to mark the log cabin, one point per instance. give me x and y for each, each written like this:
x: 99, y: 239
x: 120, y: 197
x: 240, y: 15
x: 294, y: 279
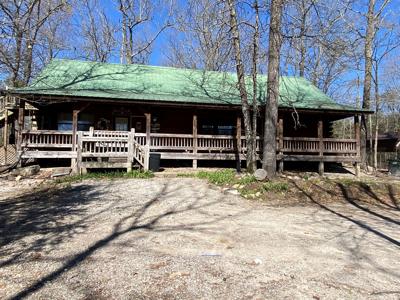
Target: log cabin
x: 113, y: 115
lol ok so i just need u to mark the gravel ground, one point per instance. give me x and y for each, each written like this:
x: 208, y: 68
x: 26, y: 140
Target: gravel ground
x: 179, y: 238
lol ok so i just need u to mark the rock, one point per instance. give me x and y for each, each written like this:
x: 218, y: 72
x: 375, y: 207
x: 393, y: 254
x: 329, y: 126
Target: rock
x: 18, y: 178
x: 257, y: 261
x: 260, y: 174
x: 56, y: 172
x: 10, y: 177
x: 233, y: 192
x: 178, y: 274
x: 29, y: 171
x: 159, y: 265
x: 258, y: 194
x: 235, y: 186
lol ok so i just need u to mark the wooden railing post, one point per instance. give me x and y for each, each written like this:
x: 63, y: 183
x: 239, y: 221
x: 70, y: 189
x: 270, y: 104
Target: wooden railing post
x: 238, y: 142
x: 321, y: 147
x: 5, y: 137
x: 130, y: 159
x: 280, y: 144
x: 78, y: 165
x: 148, y: 141
x: 91, y: 131
x: 148, y: 128
x: 74, y: 137
x: 21, y: 121
x: 357, y: 135
x: 194, y: 141
x: 146, y: 158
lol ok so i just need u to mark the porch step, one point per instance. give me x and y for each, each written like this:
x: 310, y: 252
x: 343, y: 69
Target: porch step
x: 107, y: 165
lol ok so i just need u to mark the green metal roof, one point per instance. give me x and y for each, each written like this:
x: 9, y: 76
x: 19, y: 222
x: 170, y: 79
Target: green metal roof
x: 75, y: 78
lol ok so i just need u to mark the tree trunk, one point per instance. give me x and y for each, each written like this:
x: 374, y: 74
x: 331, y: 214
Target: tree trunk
x: 129, y: 48
x: 376, y: 129
x: 28, y: 63
x: 18, y: 46
x: 241, y: 83
x: 271, y: 107
x: 123, y: 29
x: 369, y: 39
x: 302, y: 63
x: 252, y: 166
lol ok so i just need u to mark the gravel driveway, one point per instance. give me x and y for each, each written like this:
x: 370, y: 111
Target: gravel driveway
x: 179, y: 238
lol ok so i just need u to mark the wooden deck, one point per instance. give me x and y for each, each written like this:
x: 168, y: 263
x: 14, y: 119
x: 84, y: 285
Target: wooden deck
x: 97, y: 149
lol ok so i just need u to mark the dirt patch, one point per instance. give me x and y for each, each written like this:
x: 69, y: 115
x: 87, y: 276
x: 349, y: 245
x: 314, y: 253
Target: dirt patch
x: 180, y: 238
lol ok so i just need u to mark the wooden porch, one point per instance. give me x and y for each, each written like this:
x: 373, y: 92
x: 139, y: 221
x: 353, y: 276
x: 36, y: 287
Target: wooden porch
x: 122, y: 149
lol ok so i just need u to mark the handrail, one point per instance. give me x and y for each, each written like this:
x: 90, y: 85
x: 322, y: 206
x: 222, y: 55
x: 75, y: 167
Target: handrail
x: 117, y: 142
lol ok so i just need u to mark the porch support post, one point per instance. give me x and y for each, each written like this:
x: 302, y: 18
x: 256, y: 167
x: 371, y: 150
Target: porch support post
x: 194, y: 141
x: 280, y: 145
x: 148, y: 142
x: 21, y: 121
x: 357, y: 135
x: 75, y: 113
x: 5, y: 135
x: 148, y: 128
x: 130, y: 159
x: 321, y: 147
x: 79, y: 153
x: 238, y: 142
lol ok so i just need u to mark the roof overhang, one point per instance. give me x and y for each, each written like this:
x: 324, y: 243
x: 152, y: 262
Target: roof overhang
x: 48, y: 99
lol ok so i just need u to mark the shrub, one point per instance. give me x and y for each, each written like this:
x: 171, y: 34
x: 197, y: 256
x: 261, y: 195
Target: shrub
x: 186, y: 175
x: 219, y: 177
x: 247, y: 179
x: 277, y: 187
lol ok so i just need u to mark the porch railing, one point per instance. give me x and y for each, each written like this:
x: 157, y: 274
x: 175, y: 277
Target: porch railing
x: 47, y: 139
x: 104, y: 143
x: 312, y: 145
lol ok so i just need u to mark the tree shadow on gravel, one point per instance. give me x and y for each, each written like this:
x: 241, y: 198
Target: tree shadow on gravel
x: 351, y: 219
x: 41, y: 213
x: 353, y: 200
x: 363, y: 214
x: 140, y: 218
x: 395, y: 201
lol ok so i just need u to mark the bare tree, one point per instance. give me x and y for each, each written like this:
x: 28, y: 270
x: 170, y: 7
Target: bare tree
x: 135, y: 15
x: 372, y: 18
x: 387, y: 39
x: 366, y: 104
x: 241, y: 82
x: 97, y: 32
x: 254, y: 71
x: 22, y: 25
x: 200, y: 37
x: 271, y: 107
x: 249, y: 112
x: 319, y: 43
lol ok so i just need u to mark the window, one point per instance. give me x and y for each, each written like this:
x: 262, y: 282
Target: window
x: 121, y: 124
x: 218, y: 129
x: 64, y: 121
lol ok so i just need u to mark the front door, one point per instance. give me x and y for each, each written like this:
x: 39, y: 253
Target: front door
x: 139, y: 123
